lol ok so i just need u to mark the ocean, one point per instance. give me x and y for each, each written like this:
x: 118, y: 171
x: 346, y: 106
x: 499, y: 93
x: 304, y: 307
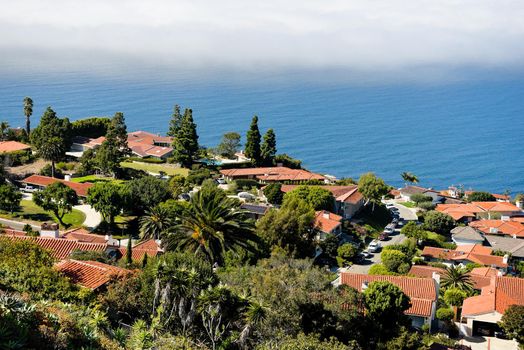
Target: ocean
x: 452, y: 132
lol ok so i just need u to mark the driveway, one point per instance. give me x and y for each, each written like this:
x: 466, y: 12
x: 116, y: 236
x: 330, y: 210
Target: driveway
x: 489, y: 343
x: 404, y: 212
x: 93, y: 218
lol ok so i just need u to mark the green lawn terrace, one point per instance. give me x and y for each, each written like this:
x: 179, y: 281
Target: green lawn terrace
x: 32, y: 214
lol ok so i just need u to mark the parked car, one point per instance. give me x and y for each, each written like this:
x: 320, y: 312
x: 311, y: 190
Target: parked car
x: 390, y: 228
x: 221, y: 181
x: 366, y: 255
x: 400, y: 223
x: 246, y: 195
x: 394, y: 209
x: 383, y: 236
x: 394, y: 221
x: 374, y: 246
x: 28, y: 188
x: 389, y: 206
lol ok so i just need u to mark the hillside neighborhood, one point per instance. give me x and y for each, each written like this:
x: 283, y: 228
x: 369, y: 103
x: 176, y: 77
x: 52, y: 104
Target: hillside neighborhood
x: 98, y: 209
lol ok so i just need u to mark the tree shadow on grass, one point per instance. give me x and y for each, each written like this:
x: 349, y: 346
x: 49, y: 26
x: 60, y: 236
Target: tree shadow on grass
x: 37, y: 217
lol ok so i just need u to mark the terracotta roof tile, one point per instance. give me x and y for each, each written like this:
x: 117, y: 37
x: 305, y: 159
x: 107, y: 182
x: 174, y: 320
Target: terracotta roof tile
x: 273, y: 174
x: 471, y: 252
x: 83, y: 235
x: 326, y: 221
x: 61, y: 248
x: 498, y: 296
x: 39, y: 180
x: 149, y: 247
x: 12, y: 146
x: 512, y: 228
x: 421, y: 291
x: 90, y: 274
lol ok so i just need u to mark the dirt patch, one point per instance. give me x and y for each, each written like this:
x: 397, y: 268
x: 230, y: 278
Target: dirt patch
x: 27, y: 169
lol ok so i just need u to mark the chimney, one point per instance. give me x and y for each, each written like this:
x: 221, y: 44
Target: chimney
x: 520, y: 204
x: 49, y: 230
x: 493, y: 230
x: 67, y: 177
x: 325, y: 214
x: 436, y: 278
x: 505, y: 218
x: 505, y: 259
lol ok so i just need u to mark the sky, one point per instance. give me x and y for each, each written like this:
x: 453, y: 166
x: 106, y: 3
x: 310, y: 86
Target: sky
x: 363, y: 35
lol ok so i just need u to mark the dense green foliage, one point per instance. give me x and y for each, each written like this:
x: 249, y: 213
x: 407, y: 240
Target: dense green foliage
x: 420, y: 197
x: 51, y: 128
x: 57, y: 198
x: 481, y: 197
x: 512, y: 323
x: 185, y: 143
x: 372, y: 188
x: 288, y: 161
x: 316, y: 197
x: 114, y: 147
x: 10, y: 198
x: 147, y: 192
x: 438, y: 222
x: 252, y: 149
x: 28, y: 112
x: 268, y: 150
x: 229, y: 145
x: 345, y: 254
x: 108, y: 198
x: 93, y: 127
x: 395, y: 261
x: 273, y: 193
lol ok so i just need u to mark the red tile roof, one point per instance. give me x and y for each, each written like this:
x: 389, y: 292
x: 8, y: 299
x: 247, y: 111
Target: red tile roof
x: 149, y: 247
x: 90, y: 274
x: 83, y: 235
x: 427, y: 272
x: 326, y: 221
x: 12, y: 146
x: 61, y: 248
x: 349, y: 194
x: 473, y: 252
x: 273, y: 174
x: 497, y: 206
x: 39, y: 180
x: 485, y: 271
x: 511, y: 228
x: 421, y: 291
x: 497, y: 296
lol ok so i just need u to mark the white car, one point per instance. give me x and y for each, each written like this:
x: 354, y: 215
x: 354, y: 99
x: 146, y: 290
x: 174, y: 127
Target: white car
x: 390, y: 205
x: 246, y: 195
x: 29, y: 189
x: 374, y: 246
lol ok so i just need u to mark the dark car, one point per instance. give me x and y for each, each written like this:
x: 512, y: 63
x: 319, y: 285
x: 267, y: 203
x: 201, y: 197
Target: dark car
x: 383, y: 236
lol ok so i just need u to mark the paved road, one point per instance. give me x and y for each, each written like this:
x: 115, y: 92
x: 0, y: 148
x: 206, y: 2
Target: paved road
x: 17, y: 225
x: 397, y: 238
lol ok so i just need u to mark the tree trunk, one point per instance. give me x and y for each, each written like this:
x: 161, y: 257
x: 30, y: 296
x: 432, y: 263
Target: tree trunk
x: 52, y: 168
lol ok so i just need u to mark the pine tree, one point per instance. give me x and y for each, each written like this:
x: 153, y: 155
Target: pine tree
x: 175, y: 123
x: 28, y: 111
x: 129, y: 254
x: 185, y: 144
x: 117, y: 133
x: 252, y: 149
x: 269, y: 148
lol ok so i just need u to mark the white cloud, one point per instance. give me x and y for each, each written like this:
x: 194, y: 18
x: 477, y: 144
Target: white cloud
x: 360, y: 35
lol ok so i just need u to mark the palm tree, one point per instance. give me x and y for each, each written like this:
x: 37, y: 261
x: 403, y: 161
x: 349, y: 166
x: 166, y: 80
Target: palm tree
x: 409, y: 178
x: 211, y: 225
x: 155, y: 223
x: 28, y: 111
x: 456, y: 277
x: 4, y: 128
x: 254, y: 315
x: 53, y: 150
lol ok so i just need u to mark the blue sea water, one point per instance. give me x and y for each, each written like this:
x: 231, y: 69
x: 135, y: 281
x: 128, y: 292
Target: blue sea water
x: 467, y: 132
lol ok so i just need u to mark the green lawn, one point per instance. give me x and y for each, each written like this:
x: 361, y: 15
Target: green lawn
x: 32, y: 212
x: 93, y: 179
x: 156, y: 168
x: 408, y: 204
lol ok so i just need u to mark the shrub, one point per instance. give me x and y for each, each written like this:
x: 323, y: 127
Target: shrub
x: 419, y: 198
x: 345, y: 254
x: 46, y: 171
x: 426, y: 205
x: 90, y: 127
x: 197, y: 176
x: 288, y: 161
x: 17, y: 158
x: 438, y: 222
x: 445, y: 314
x: 273, y: 193
x: 246, y: 184
x: 150, y: 160
x: 379, y: 269
x: 481, y: 197
x: 393, y: 259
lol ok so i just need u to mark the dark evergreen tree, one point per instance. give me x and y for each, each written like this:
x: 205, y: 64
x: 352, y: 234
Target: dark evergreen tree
x: 28, y: 111
x: 252, y: 149
x: 269, y: 148
x: 52, y: 135
x: 129, y: 251
x: 175, y: 123
x: 185, y: 144
x: 114, y: 147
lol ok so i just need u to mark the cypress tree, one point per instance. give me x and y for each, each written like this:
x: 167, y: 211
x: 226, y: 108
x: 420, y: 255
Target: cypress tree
x: 117, y: 133
x: 185, y: 144
x: 144, y: 261
x: 176, y: 122
x: 28, y: 111
x: 253, y: 142
x: 129, y: 255
x: 269, y: 147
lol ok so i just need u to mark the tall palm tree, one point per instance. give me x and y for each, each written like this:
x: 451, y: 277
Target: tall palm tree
x: 53, y: 150
x: 409, y: 178
x: 254, y: 315
x: 28, y: 111
x: 211, y: 225
x: 155, y: 223
x: 456, y: 277
x: 4, y: 128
